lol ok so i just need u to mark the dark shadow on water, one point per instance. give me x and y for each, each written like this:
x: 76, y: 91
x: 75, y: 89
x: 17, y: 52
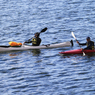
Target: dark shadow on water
x: 88, y: 55
x: 36, y: 52
x: 78, y: 58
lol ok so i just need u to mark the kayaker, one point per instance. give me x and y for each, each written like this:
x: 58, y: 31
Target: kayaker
x: 35, y: 40
x: 89, y: 43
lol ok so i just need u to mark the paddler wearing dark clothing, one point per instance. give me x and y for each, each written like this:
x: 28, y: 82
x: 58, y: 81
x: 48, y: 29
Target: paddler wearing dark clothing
x: 89, y: 43
x: 35, y: 40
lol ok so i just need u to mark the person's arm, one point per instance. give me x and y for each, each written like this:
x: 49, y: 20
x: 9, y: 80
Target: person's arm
x: 81, y: 43
x: 86, y: 48
x: 28, y: 41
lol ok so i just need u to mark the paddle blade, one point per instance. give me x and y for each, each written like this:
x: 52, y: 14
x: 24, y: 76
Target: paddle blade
x: 43, y: 30
x: 73, y: 35
x: 84, y: 54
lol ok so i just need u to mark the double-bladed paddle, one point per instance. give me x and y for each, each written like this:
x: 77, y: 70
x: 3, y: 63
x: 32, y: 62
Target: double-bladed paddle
x: 43, y: 30
x: 77, y: 40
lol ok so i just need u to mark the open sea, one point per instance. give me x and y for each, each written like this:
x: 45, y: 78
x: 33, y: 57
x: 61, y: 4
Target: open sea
x: 45, y: 71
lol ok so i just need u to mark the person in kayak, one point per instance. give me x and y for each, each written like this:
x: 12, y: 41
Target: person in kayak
x: 89, y: 43
x: 35, y: 40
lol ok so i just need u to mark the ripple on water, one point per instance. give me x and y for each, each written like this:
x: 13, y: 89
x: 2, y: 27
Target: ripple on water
x: 45, y: 72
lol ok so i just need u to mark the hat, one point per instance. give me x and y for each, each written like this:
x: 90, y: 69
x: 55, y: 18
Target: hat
x: 37, y: 34
x: 88, y: 38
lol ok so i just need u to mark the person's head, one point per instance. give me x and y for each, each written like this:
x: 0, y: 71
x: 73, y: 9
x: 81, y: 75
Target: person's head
x: 37, y: 35
x: 88, y: 39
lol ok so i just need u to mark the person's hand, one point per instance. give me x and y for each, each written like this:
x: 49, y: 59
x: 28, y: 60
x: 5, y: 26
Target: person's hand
x: 77, y: 42
x: 82, y: 49
x: 23, y: 43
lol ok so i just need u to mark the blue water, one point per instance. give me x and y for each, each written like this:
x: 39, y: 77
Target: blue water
x: 45, y: 72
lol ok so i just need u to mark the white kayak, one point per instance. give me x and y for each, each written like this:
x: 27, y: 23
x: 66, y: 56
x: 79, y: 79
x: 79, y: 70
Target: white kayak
x: 29, y: 47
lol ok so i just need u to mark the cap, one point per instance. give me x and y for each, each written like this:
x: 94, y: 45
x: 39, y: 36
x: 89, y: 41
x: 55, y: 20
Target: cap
x: 37, y: 34
x: 88, y: 38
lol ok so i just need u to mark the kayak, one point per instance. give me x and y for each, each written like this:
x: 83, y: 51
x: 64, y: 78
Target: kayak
x: 28, y: 47
x: 77, y: 51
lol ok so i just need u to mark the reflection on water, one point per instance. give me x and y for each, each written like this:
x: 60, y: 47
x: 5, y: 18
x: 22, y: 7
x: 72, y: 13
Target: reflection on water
x: 35, y: 72
x: 90, y: 54
x: 78, y: 58
x: 35, y: 52
x: 13, y: 55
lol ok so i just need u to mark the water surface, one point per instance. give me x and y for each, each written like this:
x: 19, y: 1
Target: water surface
x: 45, y: 72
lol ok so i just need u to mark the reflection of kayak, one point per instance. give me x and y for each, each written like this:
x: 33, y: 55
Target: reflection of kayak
x: 77, y: 51
x: 27, y: 47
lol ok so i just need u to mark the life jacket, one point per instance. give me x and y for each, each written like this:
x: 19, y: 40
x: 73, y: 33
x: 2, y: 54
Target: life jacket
x: 36, y: 41
x: 92, y: 45
x: 14, y: 44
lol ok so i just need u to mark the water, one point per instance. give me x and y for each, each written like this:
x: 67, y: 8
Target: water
x: 45, y: 72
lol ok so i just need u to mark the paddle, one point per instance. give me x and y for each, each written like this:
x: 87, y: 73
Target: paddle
x: 43, y: 30
x: 77, y: 40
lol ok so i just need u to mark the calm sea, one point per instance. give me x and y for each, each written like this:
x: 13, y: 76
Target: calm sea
x: 44, y: 71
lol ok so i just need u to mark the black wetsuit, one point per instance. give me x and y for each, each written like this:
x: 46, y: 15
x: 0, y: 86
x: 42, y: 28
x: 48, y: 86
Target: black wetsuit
x: 35, y: 41
x: 90, y: 45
